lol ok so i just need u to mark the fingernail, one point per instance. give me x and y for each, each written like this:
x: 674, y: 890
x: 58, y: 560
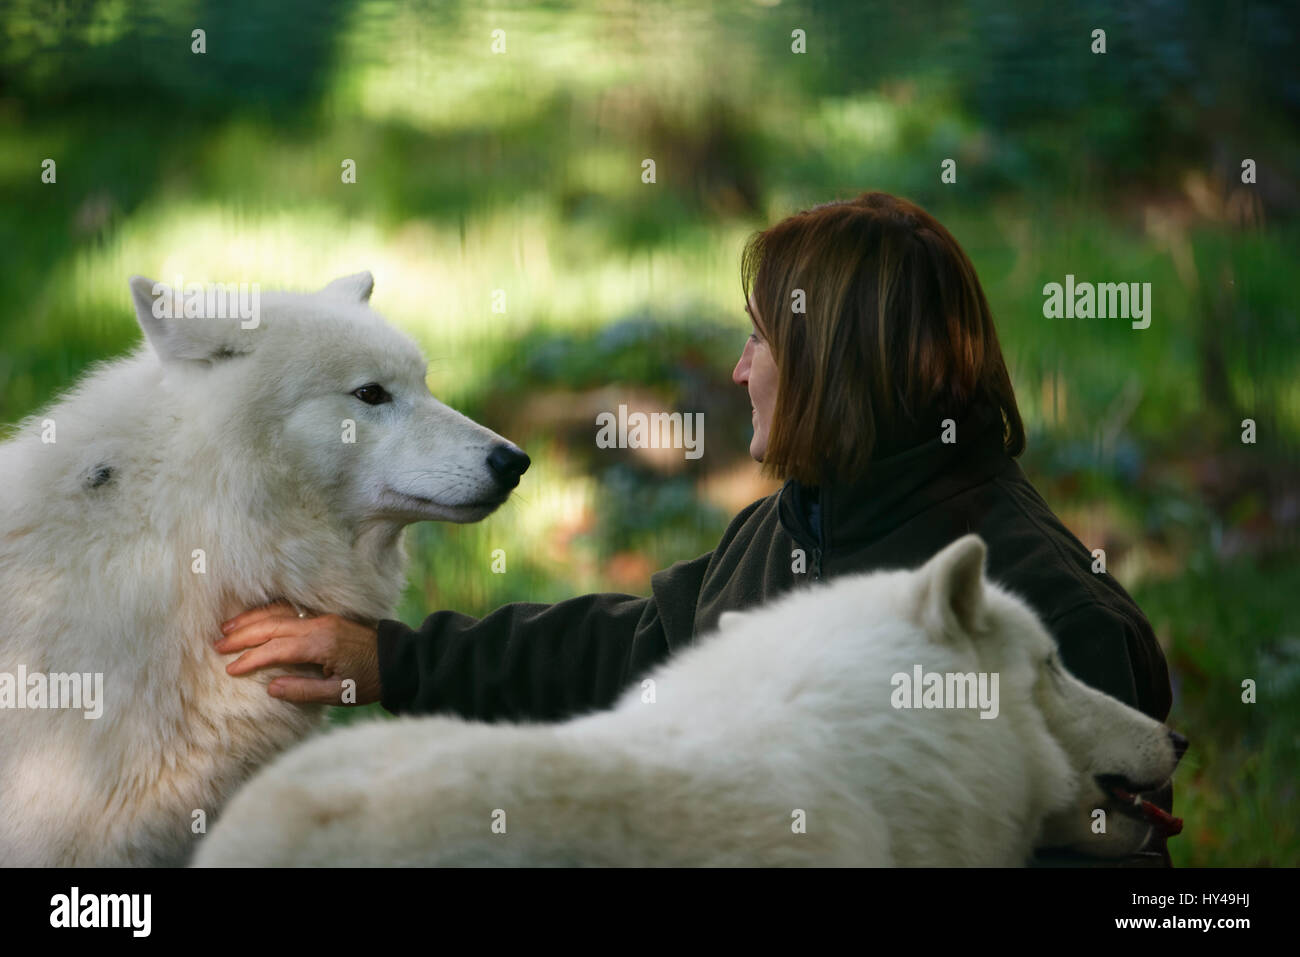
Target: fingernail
x: 225, y: 625
x: 274, y: 691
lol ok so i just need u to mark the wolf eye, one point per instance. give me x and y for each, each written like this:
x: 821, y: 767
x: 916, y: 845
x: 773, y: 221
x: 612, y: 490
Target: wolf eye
x: 372, y: 393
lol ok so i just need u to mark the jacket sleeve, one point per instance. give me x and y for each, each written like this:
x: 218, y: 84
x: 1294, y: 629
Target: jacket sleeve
x: 527, y: 661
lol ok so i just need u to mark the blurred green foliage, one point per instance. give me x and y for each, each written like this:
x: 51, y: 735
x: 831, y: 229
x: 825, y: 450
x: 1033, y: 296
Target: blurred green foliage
x: 521, y: 171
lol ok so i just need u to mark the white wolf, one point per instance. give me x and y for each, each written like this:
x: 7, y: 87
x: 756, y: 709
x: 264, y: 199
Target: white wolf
x: 777, y: 741
x: 217, y: 468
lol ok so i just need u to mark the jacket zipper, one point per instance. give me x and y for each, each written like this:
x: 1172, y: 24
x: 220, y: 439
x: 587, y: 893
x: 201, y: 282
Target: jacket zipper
x: 822, y: 520
x: 819, y: 542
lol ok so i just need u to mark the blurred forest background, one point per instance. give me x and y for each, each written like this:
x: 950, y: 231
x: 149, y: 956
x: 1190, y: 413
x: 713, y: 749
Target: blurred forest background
x: 521, y: 171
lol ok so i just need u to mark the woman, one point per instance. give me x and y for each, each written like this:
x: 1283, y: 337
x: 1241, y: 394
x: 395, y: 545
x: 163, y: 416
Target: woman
x: 881, y: 396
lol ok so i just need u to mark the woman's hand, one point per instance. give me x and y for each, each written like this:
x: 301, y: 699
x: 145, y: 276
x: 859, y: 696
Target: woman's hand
x: 275, y: 635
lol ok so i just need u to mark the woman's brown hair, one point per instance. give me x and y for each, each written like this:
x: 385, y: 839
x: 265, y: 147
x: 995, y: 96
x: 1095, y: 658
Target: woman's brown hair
x: 895, y: 335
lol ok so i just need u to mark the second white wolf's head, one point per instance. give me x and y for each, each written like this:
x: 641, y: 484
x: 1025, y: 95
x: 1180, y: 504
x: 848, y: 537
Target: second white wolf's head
x: 333, y: 395
x: 1061, y: 763
x: 1116, y: 754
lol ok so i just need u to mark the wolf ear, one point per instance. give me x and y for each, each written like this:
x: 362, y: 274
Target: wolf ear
x: 952, y: 595
x: 180, y: 339
x: 354, y: 288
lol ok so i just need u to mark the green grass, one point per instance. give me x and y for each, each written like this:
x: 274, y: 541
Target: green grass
x: 1236, y: 786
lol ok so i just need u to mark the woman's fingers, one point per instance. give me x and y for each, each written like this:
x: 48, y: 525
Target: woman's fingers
x: 262, y: 630
x: 292, y: 650
x: 278, y: 609
x: 321, y: 690
x: 344, y: 649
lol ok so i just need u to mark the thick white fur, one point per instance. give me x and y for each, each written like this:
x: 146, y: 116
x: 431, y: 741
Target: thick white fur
x: 786, y: 709
x: 228, y: 440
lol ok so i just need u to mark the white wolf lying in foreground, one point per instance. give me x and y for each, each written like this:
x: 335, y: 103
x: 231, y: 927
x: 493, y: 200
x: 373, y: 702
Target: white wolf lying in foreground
x: 776, y: 742
x: 186, y: 483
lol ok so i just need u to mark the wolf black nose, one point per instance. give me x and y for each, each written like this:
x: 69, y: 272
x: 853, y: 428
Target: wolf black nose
x: 508, y: 463
x: 1180, y: 744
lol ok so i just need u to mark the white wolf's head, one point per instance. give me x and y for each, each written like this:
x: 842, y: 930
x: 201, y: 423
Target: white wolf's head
x: 320, y: 386
x: 1115, y: 753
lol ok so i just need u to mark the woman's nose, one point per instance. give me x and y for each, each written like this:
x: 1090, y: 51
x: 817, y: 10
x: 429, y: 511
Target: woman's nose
x: 740, y: 374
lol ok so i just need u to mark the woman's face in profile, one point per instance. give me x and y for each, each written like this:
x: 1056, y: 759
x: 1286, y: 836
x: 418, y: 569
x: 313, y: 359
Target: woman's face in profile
x: 756, y: 370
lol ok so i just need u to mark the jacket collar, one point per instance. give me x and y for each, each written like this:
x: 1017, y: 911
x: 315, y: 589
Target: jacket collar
x: 858, y: 512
